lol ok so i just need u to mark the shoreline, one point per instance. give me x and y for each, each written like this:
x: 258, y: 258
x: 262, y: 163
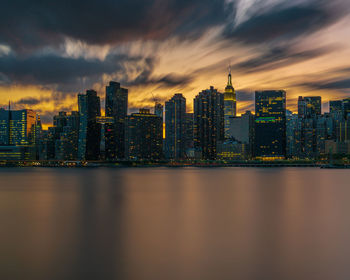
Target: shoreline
x: 150, y: 164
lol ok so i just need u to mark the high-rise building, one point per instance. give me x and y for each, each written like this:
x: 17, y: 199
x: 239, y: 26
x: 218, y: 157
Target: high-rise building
x: 208, y: 122
x: 346, y: 108
x: 291, y: 134
x: 230, y: 109
x: 4, y: 127
x: 323, y: 132
x: 17, y: 127
x: 144, y: 136
x: 175, y: 125
x: 89, y: 128
x: 309, y: 106
x: 270, y: 124
x: 116, y: 107
x: 335, y: 106
x: 66, y: 146
x: 189, y: 135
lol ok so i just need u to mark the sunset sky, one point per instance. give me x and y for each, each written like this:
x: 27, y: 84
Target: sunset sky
x: 52, y: 50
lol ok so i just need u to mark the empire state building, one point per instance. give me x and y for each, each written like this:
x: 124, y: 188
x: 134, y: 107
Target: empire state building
x: 229, y: 104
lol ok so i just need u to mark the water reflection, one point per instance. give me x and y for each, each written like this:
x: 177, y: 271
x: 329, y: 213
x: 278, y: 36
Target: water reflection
x: 224, y: 223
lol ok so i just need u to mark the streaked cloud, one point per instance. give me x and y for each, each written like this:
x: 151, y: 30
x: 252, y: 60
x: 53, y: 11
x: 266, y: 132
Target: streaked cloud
x: 51, y: 51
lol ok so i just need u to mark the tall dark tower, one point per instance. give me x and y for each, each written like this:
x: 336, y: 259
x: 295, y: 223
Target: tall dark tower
x: 230, y: 109
x: 117, y: 108
x: 175, y: 125
x: 208, y: 122
x: 89, y: 129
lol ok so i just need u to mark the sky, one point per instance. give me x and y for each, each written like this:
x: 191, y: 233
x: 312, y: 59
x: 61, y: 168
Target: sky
x: 52, y: 50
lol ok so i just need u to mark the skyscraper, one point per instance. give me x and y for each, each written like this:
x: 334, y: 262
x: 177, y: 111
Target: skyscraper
x: 189, y: 135
x: 175, y: 125
x: 144, y: 136
x: 346, y: 108
x: 309, y: 106
x: 66, y: 146
x: 335, y: 106
x: 116, y: 107
x: 208, y: 121
x: 17, y: 127
x: 229, y: 104
x: 270, y: 124
x: 89, y: 129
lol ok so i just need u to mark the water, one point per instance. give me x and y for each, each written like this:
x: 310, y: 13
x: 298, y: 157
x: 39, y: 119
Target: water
x: 186, y: 223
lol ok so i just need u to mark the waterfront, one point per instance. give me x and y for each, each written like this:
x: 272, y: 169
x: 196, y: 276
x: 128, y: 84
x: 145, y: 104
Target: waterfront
x: 174, y: 223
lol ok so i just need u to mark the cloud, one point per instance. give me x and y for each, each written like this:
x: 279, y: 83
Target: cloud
x: 68, y: 73
x: 279, y: 57
x: 283, y: 22
x: 27, y: 25
x: 167, y: 81
x: 338, y: 84
x: 28, y: 101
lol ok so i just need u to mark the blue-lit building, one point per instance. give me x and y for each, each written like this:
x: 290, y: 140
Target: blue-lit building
x: 17, y: 127
x: 270, y: 124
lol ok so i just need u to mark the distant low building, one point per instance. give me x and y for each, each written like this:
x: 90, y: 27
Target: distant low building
x: 231, y: 149
x: 242, y: 130
x: 334, y: 147
x: 16, y: 153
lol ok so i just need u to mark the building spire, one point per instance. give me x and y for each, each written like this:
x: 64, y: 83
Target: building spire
x: 229, y: 82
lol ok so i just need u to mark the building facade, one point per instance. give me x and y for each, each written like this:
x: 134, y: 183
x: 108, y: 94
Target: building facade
x: 175, y: 127
x: 208, y: 122
x: 309, y: 106
x: 144, y: 136
x: 117, y: 108
x: 270, y: 124
x: 242, y: 131
x: 89, y: 129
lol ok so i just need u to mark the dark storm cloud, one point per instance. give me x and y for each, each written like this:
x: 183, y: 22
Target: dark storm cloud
x: 29, y: 101
x: 53, y: 69
x: 169, y: 80
x: 284, y: 23
x: 279, y: 57
x: 26, y: 25
x: 70, y: 73
x: 339, y: 84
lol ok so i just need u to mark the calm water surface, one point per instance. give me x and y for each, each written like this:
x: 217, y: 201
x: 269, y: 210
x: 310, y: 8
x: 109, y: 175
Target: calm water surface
x: 188, y: 223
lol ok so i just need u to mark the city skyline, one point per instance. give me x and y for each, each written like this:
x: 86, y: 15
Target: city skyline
x: 300, y: 47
